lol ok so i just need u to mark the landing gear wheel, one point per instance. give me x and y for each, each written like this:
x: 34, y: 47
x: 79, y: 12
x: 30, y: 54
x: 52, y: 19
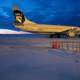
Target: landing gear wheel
x: 56, y: 35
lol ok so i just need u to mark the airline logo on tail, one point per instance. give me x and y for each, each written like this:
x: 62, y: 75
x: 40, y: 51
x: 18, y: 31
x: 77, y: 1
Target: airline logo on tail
x: 19, y: 16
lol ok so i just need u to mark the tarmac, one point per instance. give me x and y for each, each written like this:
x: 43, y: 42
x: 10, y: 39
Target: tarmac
x: 34, y: 59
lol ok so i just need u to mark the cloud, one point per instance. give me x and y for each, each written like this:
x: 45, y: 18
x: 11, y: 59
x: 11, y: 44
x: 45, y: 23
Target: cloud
x: 3, y: 13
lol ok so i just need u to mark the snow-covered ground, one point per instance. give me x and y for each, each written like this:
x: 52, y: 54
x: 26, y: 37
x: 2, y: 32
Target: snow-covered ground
x: 7, y: 31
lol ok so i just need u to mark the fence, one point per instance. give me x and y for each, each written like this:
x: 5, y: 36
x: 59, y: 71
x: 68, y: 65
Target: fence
x: 68, y: 44
x: 63, y: 44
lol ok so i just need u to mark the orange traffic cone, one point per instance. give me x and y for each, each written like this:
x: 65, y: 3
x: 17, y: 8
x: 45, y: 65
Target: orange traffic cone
x: 56, y: 44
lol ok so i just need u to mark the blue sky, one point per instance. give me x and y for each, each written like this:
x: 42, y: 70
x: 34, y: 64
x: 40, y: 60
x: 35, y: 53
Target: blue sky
x: 64, y: 12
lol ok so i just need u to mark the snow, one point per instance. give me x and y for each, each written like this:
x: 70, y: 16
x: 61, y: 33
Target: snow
x: 7, y: 31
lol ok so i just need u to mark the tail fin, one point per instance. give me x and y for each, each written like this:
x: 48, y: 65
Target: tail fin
x: 15, y: 7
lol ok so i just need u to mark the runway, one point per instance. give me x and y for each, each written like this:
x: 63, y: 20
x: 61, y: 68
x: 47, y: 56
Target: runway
x: 25, y: 61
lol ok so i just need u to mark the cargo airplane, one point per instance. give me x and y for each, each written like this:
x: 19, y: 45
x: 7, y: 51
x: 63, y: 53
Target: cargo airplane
x: 24, y: 24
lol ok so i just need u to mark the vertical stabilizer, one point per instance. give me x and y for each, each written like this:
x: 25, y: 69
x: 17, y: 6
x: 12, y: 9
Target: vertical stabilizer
x: 15, y: 7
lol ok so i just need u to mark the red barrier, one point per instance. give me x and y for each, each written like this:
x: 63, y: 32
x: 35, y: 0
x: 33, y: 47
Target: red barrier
x: 56, y: 44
